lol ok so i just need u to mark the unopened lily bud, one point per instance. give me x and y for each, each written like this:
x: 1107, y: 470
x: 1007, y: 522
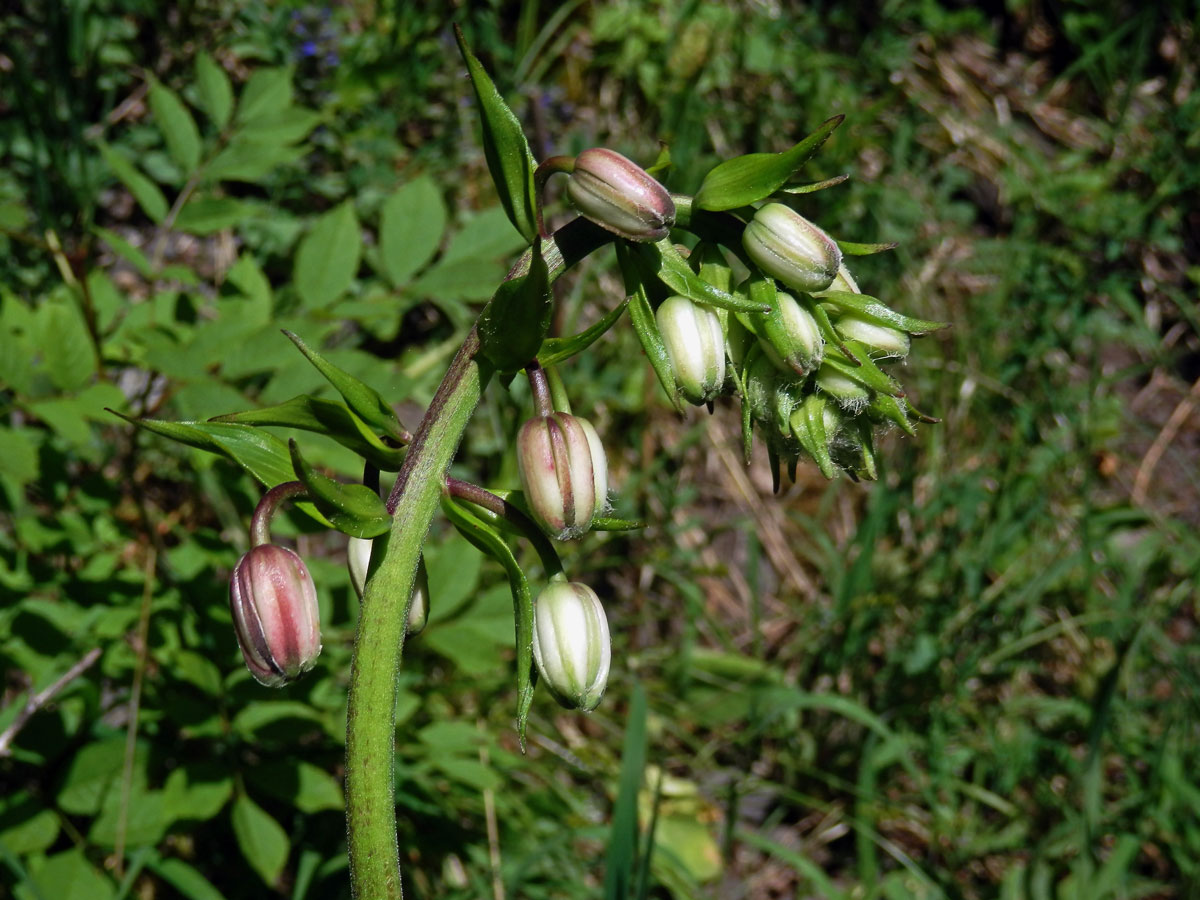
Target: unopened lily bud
x: 881, y: 340
x: 358, y: 561
x: 849, y: 394
x: 696, y: 345
x: 787, y: 246
x: 564, y: 472
x: 619, y: 195
x: 571, y: 644
x: 275, y: 614
x: 790, y: 337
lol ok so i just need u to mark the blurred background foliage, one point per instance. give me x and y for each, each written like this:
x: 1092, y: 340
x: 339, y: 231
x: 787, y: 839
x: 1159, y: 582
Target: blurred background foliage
x: 977, y: 677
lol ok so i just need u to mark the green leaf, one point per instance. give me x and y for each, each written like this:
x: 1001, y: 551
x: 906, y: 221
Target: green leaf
x: 513, y: 324
x: 280, y: 128
x: 177, y: 126
x: 505, y: 148
x: 871, y: 309
x: 747, y: 179
x: 308, y: 788
x: 620, y: 862
x: 326, y: 417
x: 612, y: 523
x: 66, y: 347
x: 66, y: 876
x: 144, y: 191
x: 262, y: 841
x: 203, y: 215
x: 354, y: 509
x: 646, y: 327
x: 216, y: 93
x: 411, y: 224
x: 127, y: 251
x: 327, y: 258
x: 849, y: 248
x: 894, y: 409
x: 557, y: 350
x: 250, y: 162
x: 491, y: 542
x: 92, y: 772
x: 267, y: 92
x: 359, y: 396
x: 27, y: 825
x: 185, y: 879
x: 816, y: 185
x: 663, y: 261
x: 808, y: 425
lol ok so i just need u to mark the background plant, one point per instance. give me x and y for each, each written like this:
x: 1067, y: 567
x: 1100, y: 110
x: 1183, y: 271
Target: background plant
x: 973, y: 677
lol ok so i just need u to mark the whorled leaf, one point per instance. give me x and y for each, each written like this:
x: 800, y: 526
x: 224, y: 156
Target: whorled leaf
x: 556, y: 350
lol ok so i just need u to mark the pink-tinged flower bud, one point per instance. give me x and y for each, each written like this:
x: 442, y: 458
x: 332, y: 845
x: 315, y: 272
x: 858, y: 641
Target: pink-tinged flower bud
x: 275, y: 615
x: 787, y: 246
x: 571, y: 644
x: 696, y: 345
x: 564, y: 472
x: 620, y: 196
x: 880, y: 340
x: 790, y: 337
x: 358, y: 561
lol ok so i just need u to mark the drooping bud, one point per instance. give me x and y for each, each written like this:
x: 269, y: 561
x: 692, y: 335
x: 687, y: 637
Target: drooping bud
x: 619, y: 195
x: 881, y: 340
x: 787, y: 246
x: 275, y: 614
x: 564, y: 472
x: 571, y: 644
x: 790, y: 336
x: 696, y: 344
x: 358, y: 561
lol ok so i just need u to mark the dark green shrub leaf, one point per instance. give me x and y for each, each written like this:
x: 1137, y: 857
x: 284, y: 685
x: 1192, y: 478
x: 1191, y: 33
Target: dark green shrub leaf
x: 747, y: 179
x: 505, y: 147
x: 144, y: 191
x: 216, y: 93
x: 262, y: 841
x: 177, y: 126
x: 266, y: 93
x: 185, y: 879
x: 308, y: 788
x: 411, y: 225
x: 203, y: 215
x: 328, y: 256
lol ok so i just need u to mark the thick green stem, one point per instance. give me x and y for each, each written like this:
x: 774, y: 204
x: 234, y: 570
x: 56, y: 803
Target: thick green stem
x: 379, y: 643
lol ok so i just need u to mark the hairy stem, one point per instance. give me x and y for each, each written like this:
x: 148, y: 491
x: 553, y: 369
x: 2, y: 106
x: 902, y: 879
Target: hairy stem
x: 379, y: 643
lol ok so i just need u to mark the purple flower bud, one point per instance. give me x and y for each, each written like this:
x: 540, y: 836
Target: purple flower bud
x: 620, y: 196
x: 564, y: 472
x: 275, y: 615
x: 358, y: 561
x: 696, y: 345
x: 571, y: 644
x: 787, y: 246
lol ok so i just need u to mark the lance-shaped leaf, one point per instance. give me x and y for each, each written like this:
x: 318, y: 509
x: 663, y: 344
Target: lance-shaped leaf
x: 711, y: 265
x: 871, y: 309
x: 556, y: 350
x: 865, y: 464
x: 894, y: 409
x: 662, y: 261
x: 748, y: 179
x: 645, y: 326
x: 353, y: 509
x: 808, y: 425
x: 176, y: 124
x: 850, y: 248
x: 359, y: 396
x: 258, y: 452
x: 513, y: 325
x: 612, y: 523
x: 505, y: 148
x: 865, y: 373
x: 488, y: 540
x: 327, y: 417
x: 662, y: 162
x: 815, y: 186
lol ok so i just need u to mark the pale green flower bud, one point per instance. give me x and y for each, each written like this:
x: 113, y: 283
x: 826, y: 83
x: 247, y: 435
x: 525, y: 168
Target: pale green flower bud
x: 694, y: 340
x: 787, y: 246
x: 618, y: 195
x: 881, y: 340
x: 571, y: 644
x: 849, y: 394
x: 790, y: 336
x: 564, y: 472
x: 275, y: 614
x: 358, y: 561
